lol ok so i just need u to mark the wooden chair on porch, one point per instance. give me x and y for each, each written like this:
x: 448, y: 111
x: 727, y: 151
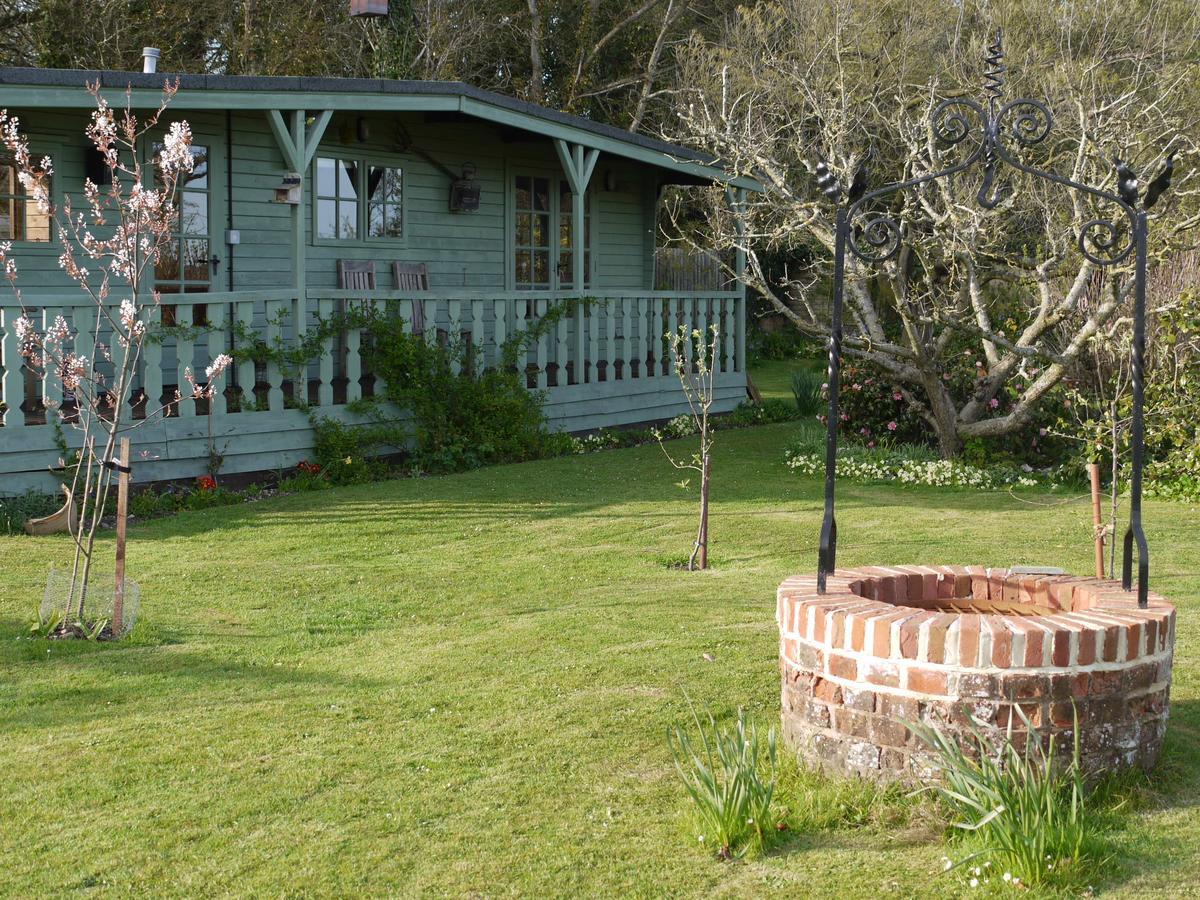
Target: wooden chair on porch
x: 356, y: 274
x: 353, y: 275
x: 413, y: 277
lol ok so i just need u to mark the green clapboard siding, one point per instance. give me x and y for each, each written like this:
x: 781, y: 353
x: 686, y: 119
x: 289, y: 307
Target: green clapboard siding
x: 469, y: 259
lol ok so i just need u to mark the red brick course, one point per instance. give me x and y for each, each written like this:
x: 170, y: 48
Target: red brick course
x: 956, y: 645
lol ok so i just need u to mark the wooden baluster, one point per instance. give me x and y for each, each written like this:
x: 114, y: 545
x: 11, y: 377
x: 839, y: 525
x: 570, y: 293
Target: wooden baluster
x: 728, y: 337
x: 740, y: 325
x: 610, y: 338
x: 580, y: 360
x: 454, y: 309
x: 216, y: 346
x: 477, y: 335
x: 152, y: 374
x: 299, y: 375
x: 626, y: 302
x: 380, y: 389
x: 325, y: 363
x: 430, y: 308
x: 52, y: 390
x: 561, y: 351
x: 541, y: 309
x: 673, y: 324
x: 275, y: 310
x: 643, y: 347
x: 353, y: 363
x: 184, y: 351
x: 702, y: 322
x: 499, y: 332
x: 84, y: 321
x: 519, y: 325
x: 592, y: 353
x: 12, y: 382
x: 246, y: 374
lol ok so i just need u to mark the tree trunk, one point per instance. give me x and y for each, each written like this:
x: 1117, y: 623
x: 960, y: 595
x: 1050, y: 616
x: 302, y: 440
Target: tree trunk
x: 702, y: 539
x: 944, y: 415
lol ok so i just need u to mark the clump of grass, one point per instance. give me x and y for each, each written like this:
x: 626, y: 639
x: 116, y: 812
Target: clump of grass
x: 1022, y: 811
x: 730, y: 776
x: 807, y: 389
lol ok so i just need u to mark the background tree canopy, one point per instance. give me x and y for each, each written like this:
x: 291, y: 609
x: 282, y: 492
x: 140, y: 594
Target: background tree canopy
x: 606, y: 59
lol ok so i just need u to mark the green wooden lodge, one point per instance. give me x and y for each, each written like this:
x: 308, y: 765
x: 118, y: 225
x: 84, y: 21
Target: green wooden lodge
x: 458, y: 209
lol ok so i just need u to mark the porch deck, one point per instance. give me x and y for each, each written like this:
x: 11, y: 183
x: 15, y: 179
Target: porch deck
x: 603, y: 364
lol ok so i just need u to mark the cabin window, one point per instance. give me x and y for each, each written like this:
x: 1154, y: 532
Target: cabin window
x: 566, y: 241
x: 184, y: 263
x: 532, y: 208
x: 543, y: 245
x: 20, y: 218
x: 357, y: 199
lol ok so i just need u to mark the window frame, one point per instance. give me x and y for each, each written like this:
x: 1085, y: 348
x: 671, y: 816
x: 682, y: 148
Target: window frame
x: 557, y: 180
x: 362, y: 201
x: 37, y: 150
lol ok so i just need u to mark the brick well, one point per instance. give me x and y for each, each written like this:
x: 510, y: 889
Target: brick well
x: 948, y: 645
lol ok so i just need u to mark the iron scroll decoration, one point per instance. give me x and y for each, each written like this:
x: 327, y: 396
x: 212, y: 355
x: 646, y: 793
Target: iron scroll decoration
x: 875, y: 236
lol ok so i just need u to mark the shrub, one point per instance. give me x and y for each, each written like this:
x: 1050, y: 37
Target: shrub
x: 346, y: 454
x: 463, y: 416
x: 14, y: 511
x: 807, y: 389
x: 1021, y: 809
x: 730, y: 778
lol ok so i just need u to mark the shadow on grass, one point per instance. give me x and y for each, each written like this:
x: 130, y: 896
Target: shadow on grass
x: 73, y: 685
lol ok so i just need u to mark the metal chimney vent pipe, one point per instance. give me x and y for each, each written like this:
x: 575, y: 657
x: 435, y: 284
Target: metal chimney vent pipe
x: 150, y: 57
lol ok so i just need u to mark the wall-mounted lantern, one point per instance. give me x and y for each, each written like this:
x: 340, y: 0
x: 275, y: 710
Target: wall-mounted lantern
x: 368, y: 8
x: 464, y: 192
x: 289, y: 189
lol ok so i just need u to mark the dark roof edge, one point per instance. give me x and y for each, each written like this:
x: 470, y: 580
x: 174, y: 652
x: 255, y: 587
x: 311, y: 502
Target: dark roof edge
x: 120, y: 80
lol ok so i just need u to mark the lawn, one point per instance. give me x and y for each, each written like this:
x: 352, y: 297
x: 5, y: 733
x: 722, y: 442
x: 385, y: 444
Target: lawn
x: 773, y: 377
x: 462, y: 686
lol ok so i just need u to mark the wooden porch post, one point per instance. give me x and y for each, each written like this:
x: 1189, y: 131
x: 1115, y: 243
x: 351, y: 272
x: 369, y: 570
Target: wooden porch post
x: 298, y: 149
x: 578, y: 163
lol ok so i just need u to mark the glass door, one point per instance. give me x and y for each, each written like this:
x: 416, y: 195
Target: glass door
x: 188, y: 263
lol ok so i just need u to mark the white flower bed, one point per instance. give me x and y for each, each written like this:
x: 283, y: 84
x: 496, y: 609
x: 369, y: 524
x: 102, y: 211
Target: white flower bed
x: 857, y: 464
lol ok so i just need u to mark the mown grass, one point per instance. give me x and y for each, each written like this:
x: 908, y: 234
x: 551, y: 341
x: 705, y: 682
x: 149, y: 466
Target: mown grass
x: 464, y: 685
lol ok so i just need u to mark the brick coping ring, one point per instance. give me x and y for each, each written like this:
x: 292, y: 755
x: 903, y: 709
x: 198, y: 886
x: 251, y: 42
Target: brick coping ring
x: 948, y: 645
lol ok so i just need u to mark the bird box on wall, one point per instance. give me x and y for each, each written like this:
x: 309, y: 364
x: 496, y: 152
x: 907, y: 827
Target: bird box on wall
x: 289, y: 189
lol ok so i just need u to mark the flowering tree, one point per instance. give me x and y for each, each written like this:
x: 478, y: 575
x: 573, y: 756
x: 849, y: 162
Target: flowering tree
x: 110, y: 251
x: 695, y: 359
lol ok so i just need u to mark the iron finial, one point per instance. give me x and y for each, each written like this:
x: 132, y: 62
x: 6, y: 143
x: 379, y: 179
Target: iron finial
x: 993, y: 75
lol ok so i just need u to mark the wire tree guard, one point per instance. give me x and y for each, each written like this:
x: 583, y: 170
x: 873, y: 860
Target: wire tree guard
x: 874, y: 237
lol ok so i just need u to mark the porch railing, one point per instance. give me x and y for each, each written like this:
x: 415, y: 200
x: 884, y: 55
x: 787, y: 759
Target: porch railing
x: 611, y: 337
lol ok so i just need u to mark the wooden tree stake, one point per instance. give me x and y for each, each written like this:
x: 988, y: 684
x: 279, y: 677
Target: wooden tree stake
x: 122, y: 514
x: 1097, y: 517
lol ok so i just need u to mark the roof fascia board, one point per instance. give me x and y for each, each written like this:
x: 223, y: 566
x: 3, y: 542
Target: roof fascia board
x: 198, y: 98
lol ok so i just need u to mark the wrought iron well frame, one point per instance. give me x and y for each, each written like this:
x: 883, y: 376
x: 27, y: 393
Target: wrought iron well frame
x: 1101, y: 241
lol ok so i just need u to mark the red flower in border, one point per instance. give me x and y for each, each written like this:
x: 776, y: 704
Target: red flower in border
x: 206, y: 483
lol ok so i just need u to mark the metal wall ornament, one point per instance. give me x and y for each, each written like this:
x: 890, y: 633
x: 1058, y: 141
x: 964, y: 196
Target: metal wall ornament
x: 875, y: 236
